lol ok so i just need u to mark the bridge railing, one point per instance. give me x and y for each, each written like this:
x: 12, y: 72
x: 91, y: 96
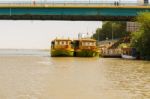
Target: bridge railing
x: 74, y: 2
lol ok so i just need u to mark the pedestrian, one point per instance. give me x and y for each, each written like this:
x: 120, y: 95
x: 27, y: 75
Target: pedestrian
x: 33, y: 2
x: 115, y: 3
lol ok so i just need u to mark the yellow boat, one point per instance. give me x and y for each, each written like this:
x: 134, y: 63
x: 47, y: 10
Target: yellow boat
x: 85, y: 48
x: 62, y: 47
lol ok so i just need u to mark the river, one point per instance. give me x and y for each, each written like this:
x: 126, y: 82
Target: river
x: 27, y: 75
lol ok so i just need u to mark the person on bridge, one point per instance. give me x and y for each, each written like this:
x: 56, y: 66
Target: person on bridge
x: 116, y: 3
x: 33, y: 2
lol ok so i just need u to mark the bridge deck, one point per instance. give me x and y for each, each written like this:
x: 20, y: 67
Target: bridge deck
x: 69, y: 11
x: 70, y: 6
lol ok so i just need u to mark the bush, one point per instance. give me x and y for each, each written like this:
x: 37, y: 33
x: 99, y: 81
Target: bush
x: 141, y: 39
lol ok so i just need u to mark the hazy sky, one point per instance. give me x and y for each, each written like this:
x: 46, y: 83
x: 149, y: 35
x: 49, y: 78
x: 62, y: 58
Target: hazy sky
x: 38, y: 34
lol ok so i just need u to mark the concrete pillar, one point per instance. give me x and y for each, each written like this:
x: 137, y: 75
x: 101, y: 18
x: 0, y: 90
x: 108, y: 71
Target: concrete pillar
x: 143, y: 2
x: 146, y: 1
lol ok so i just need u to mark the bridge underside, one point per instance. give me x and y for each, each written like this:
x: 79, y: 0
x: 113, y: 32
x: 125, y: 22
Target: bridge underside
x: 67, y: 17
x: 71, y: 13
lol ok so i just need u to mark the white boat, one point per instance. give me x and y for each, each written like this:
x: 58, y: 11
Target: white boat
x: 128, y: 57
x: 128, y: 53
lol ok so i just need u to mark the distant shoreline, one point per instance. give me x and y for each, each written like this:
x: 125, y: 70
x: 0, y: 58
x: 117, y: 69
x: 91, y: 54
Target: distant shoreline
x: 24, y: 52
x: 23, y: 49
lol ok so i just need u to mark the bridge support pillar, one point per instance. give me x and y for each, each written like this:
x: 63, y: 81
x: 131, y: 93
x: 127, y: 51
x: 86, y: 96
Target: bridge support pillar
x: 146, y: 2
x: 143, y: 2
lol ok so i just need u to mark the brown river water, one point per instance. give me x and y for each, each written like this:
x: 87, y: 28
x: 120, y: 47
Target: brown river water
x: 43, y: 77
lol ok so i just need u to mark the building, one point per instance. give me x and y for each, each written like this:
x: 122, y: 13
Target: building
x: 133, y: 26
x: 143, y: 2
x: 82, y: 35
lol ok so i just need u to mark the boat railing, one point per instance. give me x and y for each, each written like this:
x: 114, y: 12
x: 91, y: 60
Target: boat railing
x: 111, y: 52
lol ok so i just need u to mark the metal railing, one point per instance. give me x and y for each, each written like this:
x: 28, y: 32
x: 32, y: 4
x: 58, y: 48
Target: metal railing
x: 111, y: 52
x: 75, y: 2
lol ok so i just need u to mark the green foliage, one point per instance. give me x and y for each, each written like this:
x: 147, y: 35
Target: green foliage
x: 118, y: 29
x: 136, y: 40
x: 124, y: 45
x: 141, y: 39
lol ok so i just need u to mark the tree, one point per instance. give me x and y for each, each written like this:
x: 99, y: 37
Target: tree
x: 111, y: 30
x: 141, y: 39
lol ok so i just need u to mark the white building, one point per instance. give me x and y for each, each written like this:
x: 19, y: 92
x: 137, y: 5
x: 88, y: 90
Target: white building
x: 82, y: 35
x: 133, y: 26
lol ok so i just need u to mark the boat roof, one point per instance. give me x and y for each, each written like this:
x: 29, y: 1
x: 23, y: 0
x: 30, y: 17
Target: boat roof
x: 62, y: 40
x: 91, y: 40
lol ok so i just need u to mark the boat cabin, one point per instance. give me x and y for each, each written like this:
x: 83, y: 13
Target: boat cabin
x: 84, y: 44
x: 61, y: 43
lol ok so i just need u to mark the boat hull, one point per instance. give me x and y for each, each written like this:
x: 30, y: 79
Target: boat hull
x: 86, y: 53
x: 62, y: 53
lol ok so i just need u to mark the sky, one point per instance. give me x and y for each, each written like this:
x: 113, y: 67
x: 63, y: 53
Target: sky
x: 38, y: 34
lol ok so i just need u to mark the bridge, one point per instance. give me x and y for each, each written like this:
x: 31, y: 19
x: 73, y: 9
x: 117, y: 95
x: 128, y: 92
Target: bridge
x: 70, y: 10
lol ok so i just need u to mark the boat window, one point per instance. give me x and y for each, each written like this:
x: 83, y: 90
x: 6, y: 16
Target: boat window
x: 90, y: 44
x: 69, y: 43
x: 94, y: 43
x: 86, y: 43
x: 56, y: 43
x: 63, y: 42
x: 83, y: 43
x: 60, y: 43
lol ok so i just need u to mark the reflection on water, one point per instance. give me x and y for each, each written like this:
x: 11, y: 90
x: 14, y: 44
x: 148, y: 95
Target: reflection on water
x: 32, y: 77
